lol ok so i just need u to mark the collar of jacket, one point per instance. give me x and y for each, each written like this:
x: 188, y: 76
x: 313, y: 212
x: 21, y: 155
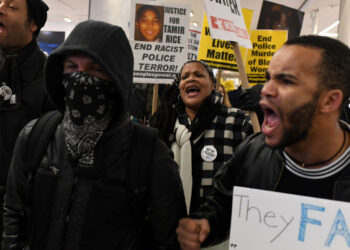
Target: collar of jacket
x: 30, y: 60
x: 33, y: 63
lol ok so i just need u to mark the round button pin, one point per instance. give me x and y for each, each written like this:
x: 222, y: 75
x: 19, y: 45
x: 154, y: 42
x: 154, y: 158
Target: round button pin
x: 209, y: 153
x: 5, y: 92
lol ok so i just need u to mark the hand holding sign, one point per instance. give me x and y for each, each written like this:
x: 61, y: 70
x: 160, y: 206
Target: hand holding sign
x: 191, y: 233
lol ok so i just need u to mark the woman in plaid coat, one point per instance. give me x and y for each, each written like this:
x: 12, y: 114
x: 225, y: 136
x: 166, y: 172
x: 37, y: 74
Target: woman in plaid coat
x: 200, y: 130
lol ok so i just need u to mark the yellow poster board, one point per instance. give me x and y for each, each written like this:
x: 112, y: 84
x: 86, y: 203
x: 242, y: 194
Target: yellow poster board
x: 228, y: 85
x: 265, y: 44
x: 219, y: 53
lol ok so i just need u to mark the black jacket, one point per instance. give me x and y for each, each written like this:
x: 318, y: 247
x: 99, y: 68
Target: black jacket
x: 253, y: 165
x: 89, y: 208
x: 108, y: 221
x: 31, y: 100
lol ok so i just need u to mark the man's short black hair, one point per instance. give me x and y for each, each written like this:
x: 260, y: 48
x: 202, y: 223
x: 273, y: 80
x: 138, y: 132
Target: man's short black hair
x: 142, y: 9
x: 334, y: 69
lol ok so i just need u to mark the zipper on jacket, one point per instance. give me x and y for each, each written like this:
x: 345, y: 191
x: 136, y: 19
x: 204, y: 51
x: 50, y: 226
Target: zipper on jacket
x: 334, y: 188
x: 279, y: 177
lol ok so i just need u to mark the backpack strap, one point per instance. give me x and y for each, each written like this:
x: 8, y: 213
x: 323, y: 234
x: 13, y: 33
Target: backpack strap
x: 138, y: 175
x: 39, y: 138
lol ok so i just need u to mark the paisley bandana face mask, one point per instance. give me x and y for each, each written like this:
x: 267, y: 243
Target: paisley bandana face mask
x: 89, y: 109
x: 86, y: 96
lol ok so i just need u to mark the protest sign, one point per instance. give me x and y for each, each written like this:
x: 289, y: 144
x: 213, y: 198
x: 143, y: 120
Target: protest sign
x: 265, y: 44
x: 274, y: 16
x: 219, y: 53
x: 226, y: 21
x: 159, y: 36
x: 267, y: 220
x: 229, y: 85
x: 193, y: 43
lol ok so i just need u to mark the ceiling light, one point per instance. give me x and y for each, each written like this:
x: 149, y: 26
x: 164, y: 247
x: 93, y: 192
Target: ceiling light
x: 195, y: 24
x: 191, y: 13
x: 67, y: 19
x: 335, y: 35
x: 329, y: 28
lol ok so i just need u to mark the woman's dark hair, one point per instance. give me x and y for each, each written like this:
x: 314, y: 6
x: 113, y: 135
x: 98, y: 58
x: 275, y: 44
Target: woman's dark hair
x: 177, y: 78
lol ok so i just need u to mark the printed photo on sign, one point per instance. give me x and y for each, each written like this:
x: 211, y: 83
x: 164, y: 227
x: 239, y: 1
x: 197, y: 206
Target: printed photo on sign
x: 275, y: 16
x: 149, y: 23
x: 159, y: 40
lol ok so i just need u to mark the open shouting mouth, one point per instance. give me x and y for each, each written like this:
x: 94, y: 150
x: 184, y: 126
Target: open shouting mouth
x: 2, y: 27
x: 271, y: 118
x: 192, y: 91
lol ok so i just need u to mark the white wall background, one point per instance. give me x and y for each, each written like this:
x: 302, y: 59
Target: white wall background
x: 344, y: 31
x: 113, y: 11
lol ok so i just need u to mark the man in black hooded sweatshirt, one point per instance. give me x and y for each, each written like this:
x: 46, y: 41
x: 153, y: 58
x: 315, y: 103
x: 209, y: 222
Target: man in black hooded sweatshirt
x: 80, y: 197
x: 22, y: 95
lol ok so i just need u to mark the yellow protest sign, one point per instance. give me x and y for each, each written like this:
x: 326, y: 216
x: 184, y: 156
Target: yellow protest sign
x: 265, y: 44
x: 228, y: 85
x: 219, y: 53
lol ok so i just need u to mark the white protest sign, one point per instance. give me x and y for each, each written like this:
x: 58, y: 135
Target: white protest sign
x: 159, y: 36
x: 268, y: 220
x: 226, y: 21
x: 193, y: 43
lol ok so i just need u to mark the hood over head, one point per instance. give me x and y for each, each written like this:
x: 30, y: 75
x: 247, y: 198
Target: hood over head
x: 108, y: 46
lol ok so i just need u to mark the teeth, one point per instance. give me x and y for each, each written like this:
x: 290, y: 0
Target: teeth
x: 267, y: 126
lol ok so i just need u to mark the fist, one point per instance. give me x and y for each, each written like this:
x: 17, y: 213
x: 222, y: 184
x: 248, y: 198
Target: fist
x: 192, y: 232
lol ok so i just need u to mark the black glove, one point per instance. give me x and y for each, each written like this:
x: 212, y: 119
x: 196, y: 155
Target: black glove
x: 249, y: 98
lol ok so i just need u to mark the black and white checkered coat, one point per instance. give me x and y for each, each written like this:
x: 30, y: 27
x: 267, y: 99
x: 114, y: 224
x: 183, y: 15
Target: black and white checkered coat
x: 214, y: 125
x: 218, y: 126
x: 225, y: 132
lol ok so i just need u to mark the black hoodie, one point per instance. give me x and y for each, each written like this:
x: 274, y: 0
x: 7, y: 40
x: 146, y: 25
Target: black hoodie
x: 102, y: 42
x: 95, y: 200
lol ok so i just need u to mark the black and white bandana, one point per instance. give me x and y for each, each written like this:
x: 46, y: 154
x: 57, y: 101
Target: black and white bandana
x: 88, y: 112
x: 86, y: 96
